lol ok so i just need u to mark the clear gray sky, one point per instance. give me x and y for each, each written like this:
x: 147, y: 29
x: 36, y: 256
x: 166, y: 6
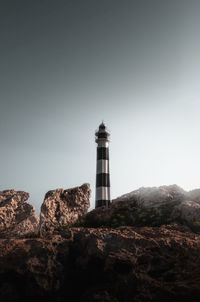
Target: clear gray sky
x: 67, y: 64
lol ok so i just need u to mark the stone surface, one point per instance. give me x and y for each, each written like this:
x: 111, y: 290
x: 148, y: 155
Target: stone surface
x: 166, y: 204
x: 187, y: 211
x: 154, y: 196
x: 17, y: 217
x: 62, y: 208
x: 150, y: 207
x: 114, y: 265
x: 138, y: 263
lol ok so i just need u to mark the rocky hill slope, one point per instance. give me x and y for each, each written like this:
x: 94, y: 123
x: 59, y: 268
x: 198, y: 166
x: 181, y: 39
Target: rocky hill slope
x: 154, y: 206
x: 141, y: 258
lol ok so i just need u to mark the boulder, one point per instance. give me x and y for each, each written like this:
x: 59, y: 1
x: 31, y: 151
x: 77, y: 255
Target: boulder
x: 63, y: 208
x: 17, y: 217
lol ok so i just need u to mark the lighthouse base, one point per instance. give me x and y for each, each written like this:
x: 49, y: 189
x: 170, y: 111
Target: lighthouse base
x: 102, y: 203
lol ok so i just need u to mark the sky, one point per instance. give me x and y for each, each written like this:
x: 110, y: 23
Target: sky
x: 67, y: 64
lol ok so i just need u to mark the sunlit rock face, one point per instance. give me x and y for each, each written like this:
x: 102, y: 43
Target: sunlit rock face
x: 150, y: 207
x: 62, y: 208
x: 17, y: 216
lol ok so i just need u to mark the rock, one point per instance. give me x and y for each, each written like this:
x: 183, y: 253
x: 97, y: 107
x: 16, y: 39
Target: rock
x: 155, y: 196
x: 104, y: 264
x: 62, y: 208
x: 194, y: 195
x: 136, y: 264
x: 163, y: 205
x: 187, y: 211
x: 17, y: 217
x: 98, y: 217
x: 154, y: 206
x: 32, y: 269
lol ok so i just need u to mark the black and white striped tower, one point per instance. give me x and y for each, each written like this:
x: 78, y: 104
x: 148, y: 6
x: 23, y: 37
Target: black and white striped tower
x: 102, y: 172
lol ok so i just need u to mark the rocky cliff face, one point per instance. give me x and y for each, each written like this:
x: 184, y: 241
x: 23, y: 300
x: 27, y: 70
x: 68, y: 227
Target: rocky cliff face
x: 113, y: 265
x: 63, y: 207
x: 17, y: 217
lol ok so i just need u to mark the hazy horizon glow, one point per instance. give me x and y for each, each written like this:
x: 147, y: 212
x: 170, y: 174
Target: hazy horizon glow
x: 66, y: 65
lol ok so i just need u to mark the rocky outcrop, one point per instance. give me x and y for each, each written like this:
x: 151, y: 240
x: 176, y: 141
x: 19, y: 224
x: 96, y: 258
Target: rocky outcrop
x: 154, y: 196
x: 17, y: 217
x: 150, y: 207
x: 137, y: 263
x: 113, y: 265
x: 187, y: 211
x: 162, y: 205
x: 62, y: 208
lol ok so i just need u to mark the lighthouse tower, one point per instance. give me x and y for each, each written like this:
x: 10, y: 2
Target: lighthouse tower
x: 102, y: 170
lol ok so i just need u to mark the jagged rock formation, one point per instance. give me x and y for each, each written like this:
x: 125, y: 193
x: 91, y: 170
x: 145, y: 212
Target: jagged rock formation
x: 111, y: 265
x: 133, y: 264
x: 150, y: 207
x: 63, y: 207
x: 17, y: 217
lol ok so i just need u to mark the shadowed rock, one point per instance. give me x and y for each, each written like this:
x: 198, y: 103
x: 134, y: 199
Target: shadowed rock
x: 111, y: 265
x: 17, y: 217
x: 62, y: 208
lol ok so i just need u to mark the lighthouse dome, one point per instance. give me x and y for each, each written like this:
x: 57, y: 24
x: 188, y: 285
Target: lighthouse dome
x: 102, y: 126
x: 102, y: 134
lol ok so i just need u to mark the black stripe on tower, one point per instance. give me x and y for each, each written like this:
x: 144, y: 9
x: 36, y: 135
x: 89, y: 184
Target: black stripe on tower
x: 102, y: 153
x: 103, y: 180
x: 103, y: 135
x: 102, y: 202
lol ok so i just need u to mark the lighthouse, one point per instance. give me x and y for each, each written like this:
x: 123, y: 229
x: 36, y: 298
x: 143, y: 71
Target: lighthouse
x: 102, y: 168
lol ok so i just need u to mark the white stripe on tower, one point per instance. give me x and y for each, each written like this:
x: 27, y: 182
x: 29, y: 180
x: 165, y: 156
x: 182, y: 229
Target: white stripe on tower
x: 102, y: 166
x: 102, y: 169
x: 102, y: 193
